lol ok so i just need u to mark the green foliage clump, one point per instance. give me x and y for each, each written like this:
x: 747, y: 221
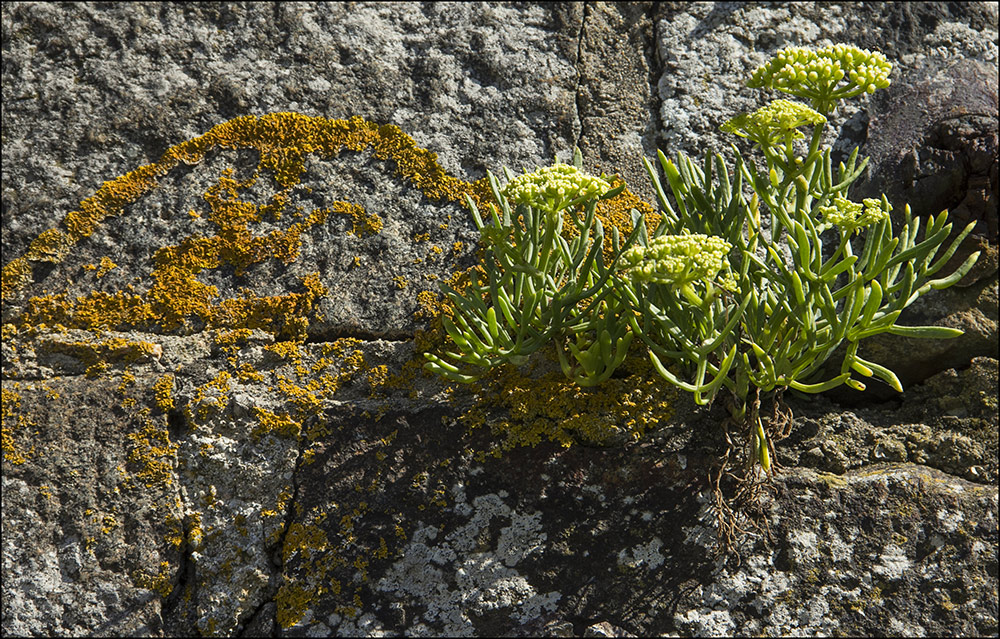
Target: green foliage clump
x: 751, y: 282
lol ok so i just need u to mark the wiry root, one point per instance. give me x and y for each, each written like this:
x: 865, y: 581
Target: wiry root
x: 740, y: 486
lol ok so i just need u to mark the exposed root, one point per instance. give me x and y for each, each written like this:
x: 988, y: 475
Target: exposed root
x: 740, y: 485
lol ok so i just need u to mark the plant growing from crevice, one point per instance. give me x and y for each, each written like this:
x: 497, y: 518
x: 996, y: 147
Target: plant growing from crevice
x: 754, y: 278
x: 536, y: 286
x: 795, y: 290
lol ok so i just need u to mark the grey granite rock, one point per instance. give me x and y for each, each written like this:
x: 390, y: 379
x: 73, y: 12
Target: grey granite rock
x: 167, y: 480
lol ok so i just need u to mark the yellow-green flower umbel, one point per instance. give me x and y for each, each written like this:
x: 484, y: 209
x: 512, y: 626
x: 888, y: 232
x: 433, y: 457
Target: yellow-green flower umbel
x: 852, y: 216
x: 773, y: 125
x: 717, y: 302
x: 677, y: 259
x: 554, y: 188
x: 824, y: 76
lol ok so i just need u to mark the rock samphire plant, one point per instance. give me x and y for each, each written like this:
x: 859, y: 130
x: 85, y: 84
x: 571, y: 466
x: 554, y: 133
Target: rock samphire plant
x: 752, y: 280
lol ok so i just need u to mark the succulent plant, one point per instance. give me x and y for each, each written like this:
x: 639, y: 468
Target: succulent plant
x: 719, y: 299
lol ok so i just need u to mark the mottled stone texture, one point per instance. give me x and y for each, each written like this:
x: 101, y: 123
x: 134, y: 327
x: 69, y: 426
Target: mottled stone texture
x: 162, y: 482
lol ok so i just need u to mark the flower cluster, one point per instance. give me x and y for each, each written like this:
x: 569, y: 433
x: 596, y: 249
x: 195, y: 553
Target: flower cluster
x: 774, y: 124
x: 816, y: 74
x: 851, y: 216
x: 677, y: 259
x: 537, y: 287
x: 554, y: 188
x: 720, y: 297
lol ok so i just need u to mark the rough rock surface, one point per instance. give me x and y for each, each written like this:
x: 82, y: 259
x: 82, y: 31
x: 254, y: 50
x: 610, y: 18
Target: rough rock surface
x: 266, y: 458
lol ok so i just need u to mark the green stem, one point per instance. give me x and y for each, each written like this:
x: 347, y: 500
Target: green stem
x: 688, y: 292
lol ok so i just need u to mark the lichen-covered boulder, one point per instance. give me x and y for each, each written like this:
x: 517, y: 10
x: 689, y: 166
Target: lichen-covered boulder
x: 224, y: 231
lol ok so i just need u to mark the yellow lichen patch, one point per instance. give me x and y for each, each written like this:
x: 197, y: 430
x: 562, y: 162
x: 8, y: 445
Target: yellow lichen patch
x: 175, y: 532
x: 285, y: 316
x: 304, y: 540
x: 525, y: 411
x: 160, y: 583
x: 269, y: 422
x: 109, y: 523
x: 50, y: 246
x: 13, y: 421
x: 163, y: 392
x: 127, y: 379
x: 105, y: 267
x: 616, y: 213
x: 308, y: 456
x: 176, y: 297
x: 308, y: 545
x: 8, y: 332
x: 113, y: 350
x: 361, y: 222
x: 16, y: 274
x: 377, y: 377
x: 211, y: 396
x: 110, y: 199
x: 428, y: 304
x: 246, y: 373
x: 383, y: 549
x: 195, y: 533
x: 339, y: 348
x: 307, y: 394
x: 154, y: 455
x: 288, y: 351
x: 293, y: 600
x: 96, y: 370
x: 308, y: 401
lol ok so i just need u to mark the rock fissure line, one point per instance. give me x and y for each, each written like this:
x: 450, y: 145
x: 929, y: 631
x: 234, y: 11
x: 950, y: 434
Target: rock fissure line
x: 579, y: 74
x: 185, y: 580
x: 653, y: 63
x: 333, y: 334
x: 277, y: 577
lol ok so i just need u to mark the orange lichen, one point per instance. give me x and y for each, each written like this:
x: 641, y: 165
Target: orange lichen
x: 162, y: 392
x: 377, y: 377
x: 13, y: 421
x: 105, y: 266
x: 160, y: 583
x: 285, y: 350
x: 50, y: 246
x: 615, y: 213
x: 174, y: 298
x: 16, y: 275
x: 154, y: 454
x: 177, y: 299
x: 210, y: 397
x: 117, y: 349
x: 524, y: 411
x: 127, y: 379
x: 175, y: 531
x: 269, y: 422
x: 230, y: 341
x: 361, y: 222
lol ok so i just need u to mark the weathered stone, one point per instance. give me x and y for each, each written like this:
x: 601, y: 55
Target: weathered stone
x: 932, y: 140
x: 265, y: 459
x: 93, y: 520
